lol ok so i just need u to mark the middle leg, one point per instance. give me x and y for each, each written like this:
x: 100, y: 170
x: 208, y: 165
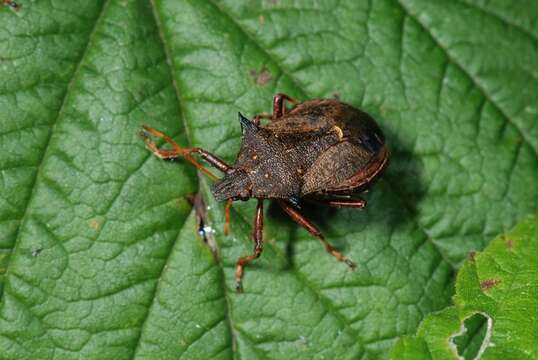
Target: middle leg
x: 312, y: 229
x: 279, y: 108
x: 258, y: 246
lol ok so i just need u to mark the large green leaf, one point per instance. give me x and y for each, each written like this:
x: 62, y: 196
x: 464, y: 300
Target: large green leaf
x: 501, y: 284
x: 100, y: 258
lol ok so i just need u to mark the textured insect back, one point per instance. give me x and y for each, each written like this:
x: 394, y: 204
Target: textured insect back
x: 253, y: 144
x: 278, y: 157
x: 333, y: 166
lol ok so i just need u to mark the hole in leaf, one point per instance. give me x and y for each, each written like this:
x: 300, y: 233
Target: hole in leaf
x: 473, y: 338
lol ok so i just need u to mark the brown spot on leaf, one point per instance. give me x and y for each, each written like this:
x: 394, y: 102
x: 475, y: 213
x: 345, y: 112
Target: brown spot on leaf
x: 509, y: 243
x: 489, y: 283
x: 262, y: 77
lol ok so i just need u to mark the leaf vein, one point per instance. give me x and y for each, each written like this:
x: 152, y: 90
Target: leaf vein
x: 498, y: 17
x: 474, y: 80
x: 53, y: 127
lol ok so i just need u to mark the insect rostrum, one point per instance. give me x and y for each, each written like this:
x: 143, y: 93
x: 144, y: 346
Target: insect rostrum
x: 322, y: 151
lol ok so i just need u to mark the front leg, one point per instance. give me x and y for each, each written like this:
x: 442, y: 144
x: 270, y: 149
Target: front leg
x: 279, y: 108
x: 258, y: 246
x: 178, y: 151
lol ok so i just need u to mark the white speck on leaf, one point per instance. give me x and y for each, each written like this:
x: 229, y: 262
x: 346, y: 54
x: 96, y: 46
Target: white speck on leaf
x: 208, y: 229
x: 530, y: 109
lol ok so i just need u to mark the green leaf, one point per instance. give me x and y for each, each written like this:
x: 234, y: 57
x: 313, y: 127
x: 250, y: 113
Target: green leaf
x: 100, y: 257
x: 470, y: 341
x: 499, y: 283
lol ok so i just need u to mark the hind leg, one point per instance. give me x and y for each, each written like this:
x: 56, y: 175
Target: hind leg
x: 312, y: 229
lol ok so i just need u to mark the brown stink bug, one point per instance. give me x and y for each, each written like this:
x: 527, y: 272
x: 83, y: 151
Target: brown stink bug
x: 322, y: 151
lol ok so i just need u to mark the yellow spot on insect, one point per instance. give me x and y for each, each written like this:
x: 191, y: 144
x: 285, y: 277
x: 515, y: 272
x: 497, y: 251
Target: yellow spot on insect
x: 254, y: 157
x: 300, y: 171
x: 338, y: 131
x: 266, y: 176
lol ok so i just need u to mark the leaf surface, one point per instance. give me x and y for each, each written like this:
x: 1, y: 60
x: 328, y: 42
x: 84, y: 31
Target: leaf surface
x: 101, y: 258
x: 499, y: 283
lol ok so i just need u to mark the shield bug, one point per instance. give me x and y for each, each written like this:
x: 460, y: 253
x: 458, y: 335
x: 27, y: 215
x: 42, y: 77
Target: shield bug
x: 322, y: 151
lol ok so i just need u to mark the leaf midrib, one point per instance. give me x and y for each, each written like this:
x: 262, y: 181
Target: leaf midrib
x: 172, y: 69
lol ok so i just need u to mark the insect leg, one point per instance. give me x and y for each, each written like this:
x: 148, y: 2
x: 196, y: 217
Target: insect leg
x: 227, y: 209
x: 312, y: 229
x: 257, y: 118
x: 258, y: 246
x: 178, y: 151
x: 343, y: 203
x: 279, y: 107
